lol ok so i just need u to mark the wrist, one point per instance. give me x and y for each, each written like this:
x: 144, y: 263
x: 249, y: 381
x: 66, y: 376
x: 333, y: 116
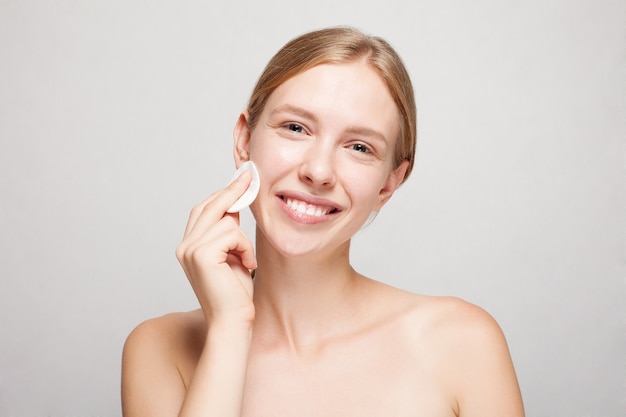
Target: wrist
x: 229, y: 330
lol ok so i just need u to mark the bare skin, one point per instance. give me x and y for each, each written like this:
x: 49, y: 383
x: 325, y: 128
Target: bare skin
x: 309, y: 336
x: 408, y: 358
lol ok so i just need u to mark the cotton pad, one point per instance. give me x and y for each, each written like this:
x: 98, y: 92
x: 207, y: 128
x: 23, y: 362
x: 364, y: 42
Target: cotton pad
x: 253, y: 189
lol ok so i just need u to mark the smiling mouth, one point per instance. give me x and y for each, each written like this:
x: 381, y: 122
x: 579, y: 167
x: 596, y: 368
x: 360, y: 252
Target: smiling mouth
x: 303, y: 208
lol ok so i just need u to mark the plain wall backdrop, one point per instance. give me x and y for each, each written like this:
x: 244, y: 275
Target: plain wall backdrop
x: 116, y: 118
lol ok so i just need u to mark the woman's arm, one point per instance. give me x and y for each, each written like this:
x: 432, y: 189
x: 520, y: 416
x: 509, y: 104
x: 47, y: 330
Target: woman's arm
x: 152, y: 381
x: 217, y: 385
x: 216, y: 256
x: 484, y: 374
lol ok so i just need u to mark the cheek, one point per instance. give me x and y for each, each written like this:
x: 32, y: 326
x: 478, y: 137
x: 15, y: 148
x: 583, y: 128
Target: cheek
x: 363, y: 185
x: 274, y: 159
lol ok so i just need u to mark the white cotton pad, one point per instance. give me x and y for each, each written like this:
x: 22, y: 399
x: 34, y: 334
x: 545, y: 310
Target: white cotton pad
x: 253, y: 189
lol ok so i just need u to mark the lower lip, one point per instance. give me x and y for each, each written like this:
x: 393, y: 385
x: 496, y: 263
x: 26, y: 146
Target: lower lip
x: 303, y: 218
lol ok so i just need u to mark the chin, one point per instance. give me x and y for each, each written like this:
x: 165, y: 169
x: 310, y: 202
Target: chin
x: 296, y: 246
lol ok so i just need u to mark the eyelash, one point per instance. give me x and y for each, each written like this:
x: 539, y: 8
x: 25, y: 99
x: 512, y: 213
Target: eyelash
x: 295, y: 127
x: 363, y: 148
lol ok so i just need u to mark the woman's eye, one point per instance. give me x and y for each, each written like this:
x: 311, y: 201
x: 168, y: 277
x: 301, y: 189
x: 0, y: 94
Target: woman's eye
x: 294, y: 127
x: 359, y: 147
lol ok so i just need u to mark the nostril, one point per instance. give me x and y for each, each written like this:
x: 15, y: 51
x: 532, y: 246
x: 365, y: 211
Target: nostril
x: 317, y: 172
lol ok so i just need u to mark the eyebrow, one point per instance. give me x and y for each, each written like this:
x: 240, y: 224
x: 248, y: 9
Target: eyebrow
x: 288, y: 108
x: 366, y: 131
x: 358, y: 130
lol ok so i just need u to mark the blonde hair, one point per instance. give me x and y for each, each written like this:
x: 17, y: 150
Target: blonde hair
x: 341, y: 45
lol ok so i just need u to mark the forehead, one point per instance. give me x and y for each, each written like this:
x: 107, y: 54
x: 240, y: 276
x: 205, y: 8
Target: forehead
x: 341, y: 94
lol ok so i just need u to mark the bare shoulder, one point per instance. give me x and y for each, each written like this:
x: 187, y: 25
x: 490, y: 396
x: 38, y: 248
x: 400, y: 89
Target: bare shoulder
x: 174, y: 337
x: 158, y: 360
x: 452, y: 317
x: 473, y: 355
x: 441, y: 320
x: 465, y: 350
x: 169, y: 333
x: 436, y: 313
x: 453, y: 327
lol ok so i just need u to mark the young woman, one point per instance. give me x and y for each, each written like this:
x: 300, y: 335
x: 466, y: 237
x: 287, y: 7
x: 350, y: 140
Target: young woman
x: 331, y: 128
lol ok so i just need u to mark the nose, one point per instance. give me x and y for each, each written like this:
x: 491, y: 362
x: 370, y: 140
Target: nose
x: 318, y: 167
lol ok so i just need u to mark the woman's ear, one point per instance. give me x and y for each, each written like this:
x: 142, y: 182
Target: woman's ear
x: 391, y: 185
x: 241, y: 135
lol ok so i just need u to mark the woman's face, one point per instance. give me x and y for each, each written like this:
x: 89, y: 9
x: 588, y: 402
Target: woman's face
x: 324, y: 149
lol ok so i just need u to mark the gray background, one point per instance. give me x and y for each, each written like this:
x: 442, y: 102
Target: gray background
x: 116, y: 118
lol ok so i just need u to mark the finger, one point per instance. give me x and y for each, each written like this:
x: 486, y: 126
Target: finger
x: 196, y: 211
x: 204, y: 261
x: 222, y: 239
x: 230, y: 239
x: 211, y: 234
x: 213, y: 208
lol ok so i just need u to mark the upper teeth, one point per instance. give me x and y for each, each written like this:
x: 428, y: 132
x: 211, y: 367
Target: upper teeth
x: 304, y: 208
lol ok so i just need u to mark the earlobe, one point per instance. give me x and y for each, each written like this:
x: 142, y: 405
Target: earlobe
x: 391, y: 185
x: 241, y: 136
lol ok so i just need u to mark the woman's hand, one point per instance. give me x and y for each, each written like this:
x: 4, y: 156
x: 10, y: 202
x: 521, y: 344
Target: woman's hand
x: 217, y: 257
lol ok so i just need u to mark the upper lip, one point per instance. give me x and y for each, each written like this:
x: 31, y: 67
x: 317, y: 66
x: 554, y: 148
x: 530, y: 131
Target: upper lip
x: 309, y: 199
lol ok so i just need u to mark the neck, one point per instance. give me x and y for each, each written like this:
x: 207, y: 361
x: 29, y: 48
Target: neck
x: 302, y: 301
